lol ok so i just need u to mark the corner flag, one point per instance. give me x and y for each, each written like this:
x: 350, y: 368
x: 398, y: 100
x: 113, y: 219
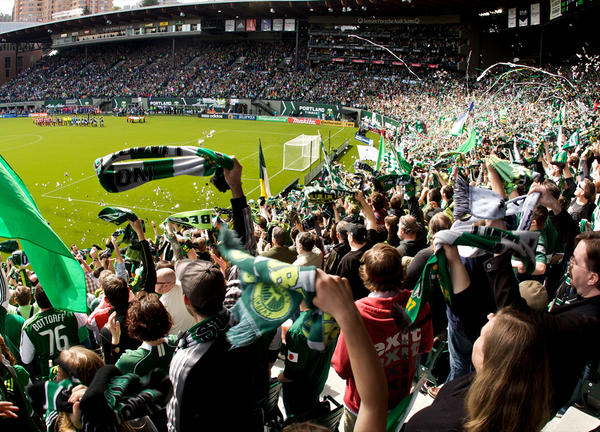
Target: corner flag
x: 265, y: 190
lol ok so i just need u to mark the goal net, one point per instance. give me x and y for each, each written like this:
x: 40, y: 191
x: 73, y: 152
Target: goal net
x: 300, y: 152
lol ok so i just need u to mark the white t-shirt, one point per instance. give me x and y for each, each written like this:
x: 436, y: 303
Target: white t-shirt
x: 173, y: 301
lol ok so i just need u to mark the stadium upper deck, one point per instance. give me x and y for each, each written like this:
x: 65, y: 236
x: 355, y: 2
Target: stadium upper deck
x: 428, y: 35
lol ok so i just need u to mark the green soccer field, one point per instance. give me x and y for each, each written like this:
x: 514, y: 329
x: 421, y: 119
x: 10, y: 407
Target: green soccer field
x: 57, y: 165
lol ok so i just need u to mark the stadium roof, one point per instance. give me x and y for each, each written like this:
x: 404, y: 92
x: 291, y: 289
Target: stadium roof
x: 276, y: 8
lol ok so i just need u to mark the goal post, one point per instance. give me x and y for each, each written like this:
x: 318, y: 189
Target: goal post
x: 300, y: 152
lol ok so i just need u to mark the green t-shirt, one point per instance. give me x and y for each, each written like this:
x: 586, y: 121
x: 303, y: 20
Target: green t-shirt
x: 146, y: 358
x: 303, y: 364
x: 47, y: 333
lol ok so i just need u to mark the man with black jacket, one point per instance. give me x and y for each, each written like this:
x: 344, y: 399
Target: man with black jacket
x: 209, y: 380
x: 340, y: 250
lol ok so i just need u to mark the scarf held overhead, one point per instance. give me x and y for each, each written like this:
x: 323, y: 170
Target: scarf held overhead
x: 522, y: 244
x: 164, y: 162
x: 271, y: 293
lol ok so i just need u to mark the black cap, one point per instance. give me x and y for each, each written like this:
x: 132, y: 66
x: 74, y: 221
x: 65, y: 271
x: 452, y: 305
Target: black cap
x: 358, y: 231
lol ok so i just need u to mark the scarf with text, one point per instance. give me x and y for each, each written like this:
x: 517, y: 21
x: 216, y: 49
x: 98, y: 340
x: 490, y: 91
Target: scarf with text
x: 158, y: 162
x: 320, y: 195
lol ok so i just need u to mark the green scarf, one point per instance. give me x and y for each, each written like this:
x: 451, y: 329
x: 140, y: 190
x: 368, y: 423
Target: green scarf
x: 390, y: 181
x: 512, y: 174
x: 117, y: 215
x: 166, y: 162
x: 57, y: 393
x: 201, y: 219
x: 113, y: 398
x: 271, y: 293
x: 320, y: 195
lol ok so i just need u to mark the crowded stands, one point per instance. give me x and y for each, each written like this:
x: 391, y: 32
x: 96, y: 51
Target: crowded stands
x: 470, y: 261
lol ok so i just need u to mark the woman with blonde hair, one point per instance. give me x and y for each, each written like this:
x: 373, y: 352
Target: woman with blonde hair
x: 58, y: 399
x: 81, y: 364
x: 78, y: 362
x: 509, y: 390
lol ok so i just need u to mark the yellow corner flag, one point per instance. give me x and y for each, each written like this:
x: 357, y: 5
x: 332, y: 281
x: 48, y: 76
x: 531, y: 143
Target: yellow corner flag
x: 265, y: 190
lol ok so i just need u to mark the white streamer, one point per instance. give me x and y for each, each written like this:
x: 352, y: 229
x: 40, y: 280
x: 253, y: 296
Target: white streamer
x: 388, y: 50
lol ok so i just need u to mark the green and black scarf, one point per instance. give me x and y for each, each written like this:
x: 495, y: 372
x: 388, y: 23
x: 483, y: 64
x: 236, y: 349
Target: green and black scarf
x: 164, y: 162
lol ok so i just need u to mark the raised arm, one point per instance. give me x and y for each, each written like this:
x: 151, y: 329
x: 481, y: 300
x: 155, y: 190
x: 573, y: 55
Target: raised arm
x: 367, y: 210
x: 120, y: 268
x: 496, y: 181
x: 563, y: 222
x: 336, y: 213
x: 171, y: 234
x: 155, y: 232
x: 458, y: 273
x: 95, y: 260
x: 242, y: 217
x: 148, y: 277
x: 440, y: 178
x: 84, y: 265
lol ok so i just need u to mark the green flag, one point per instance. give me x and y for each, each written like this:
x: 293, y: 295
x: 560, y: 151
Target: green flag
x: 403, y: 166
x: 573, y: 141
x: 57, y: 270
x: 560, y: 117
x: 381, y: 154
x: 473, y: 141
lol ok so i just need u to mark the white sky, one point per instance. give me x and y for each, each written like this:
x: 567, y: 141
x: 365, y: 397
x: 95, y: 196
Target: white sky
x: 6, y: 6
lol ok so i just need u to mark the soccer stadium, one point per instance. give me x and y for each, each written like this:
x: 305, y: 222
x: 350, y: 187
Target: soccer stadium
x: 299, y: 215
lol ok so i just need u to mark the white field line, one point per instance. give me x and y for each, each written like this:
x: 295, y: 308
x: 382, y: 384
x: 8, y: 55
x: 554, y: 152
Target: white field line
x: 47, y: 194
x: 256, y: 152
x: 39, y: 138
x: 270, y: 177
x: 262, y: 132
x: 325, y: 138
x: 67, y: 185
x: 109, y: 204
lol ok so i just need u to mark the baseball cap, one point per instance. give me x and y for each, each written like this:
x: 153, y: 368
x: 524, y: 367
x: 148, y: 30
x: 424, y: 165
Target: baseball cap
x: 534, y: 294
x: 358, y: 231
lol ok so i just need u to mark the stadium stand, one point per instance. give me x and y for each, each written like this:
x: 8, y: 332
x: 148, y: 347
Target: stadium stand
x: 470, y: 234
